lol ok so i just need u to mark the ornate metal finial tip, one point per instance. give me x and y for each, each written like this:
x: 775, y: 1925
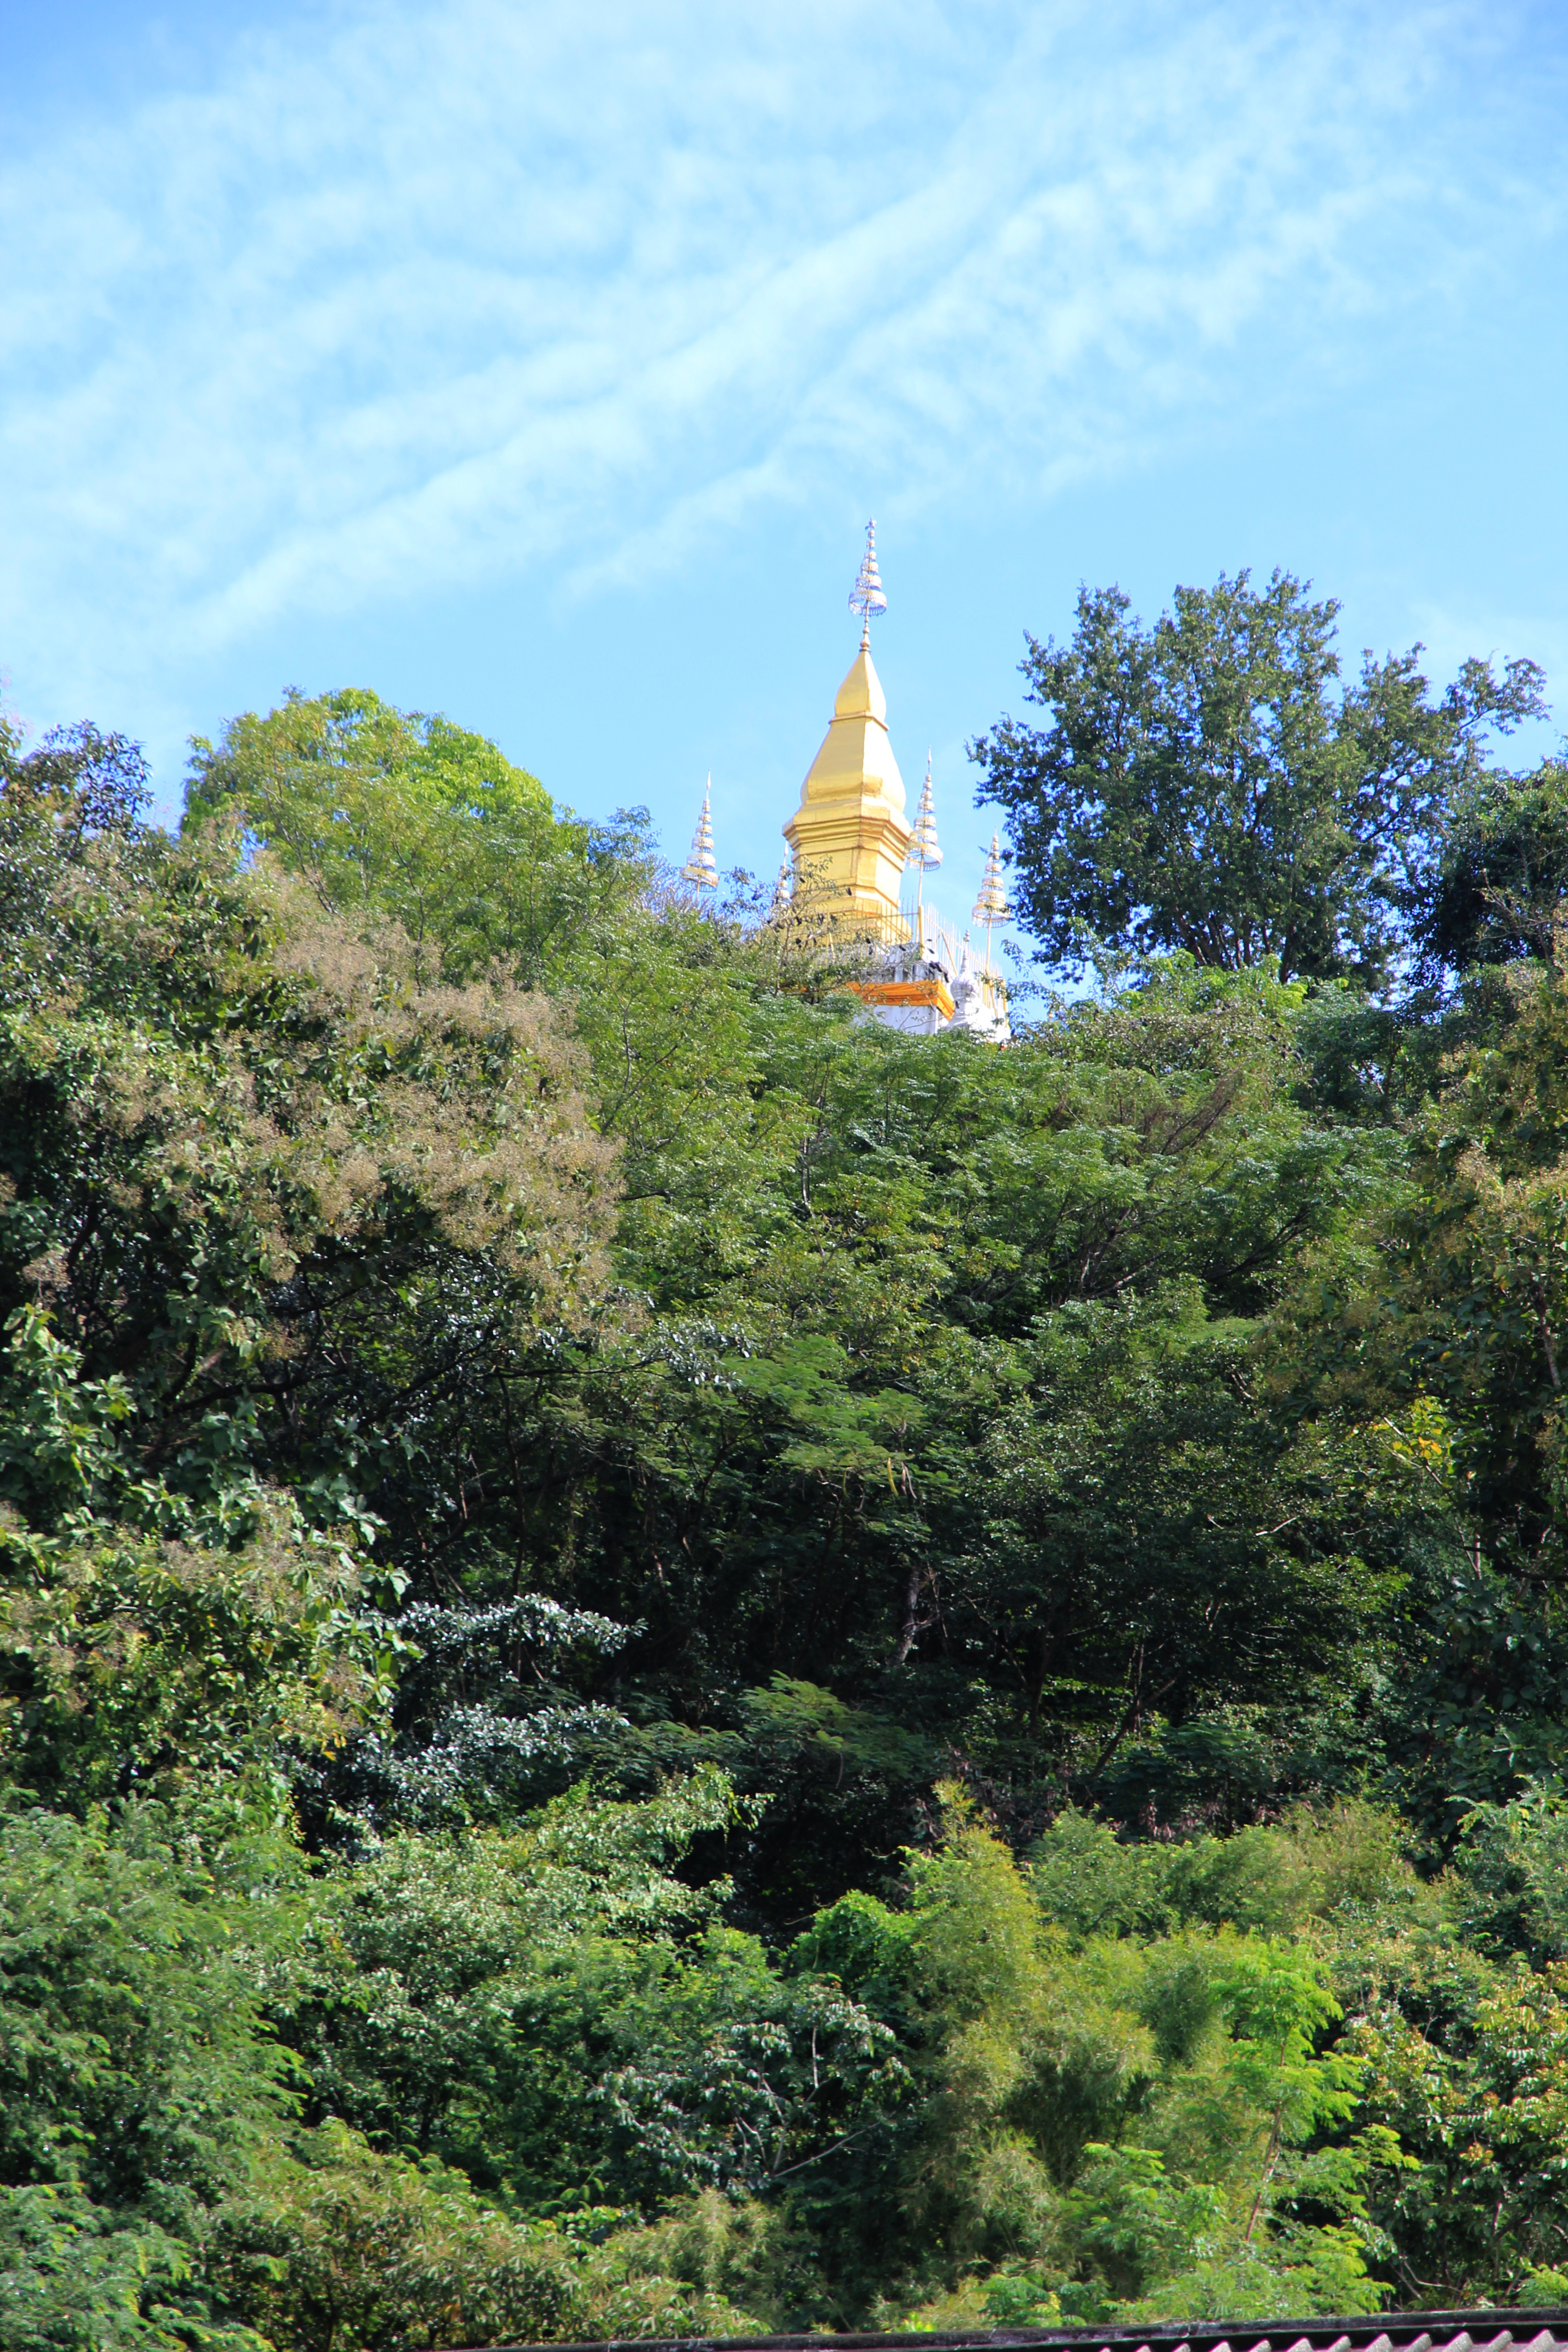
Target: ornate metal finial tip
x: 866, y: 597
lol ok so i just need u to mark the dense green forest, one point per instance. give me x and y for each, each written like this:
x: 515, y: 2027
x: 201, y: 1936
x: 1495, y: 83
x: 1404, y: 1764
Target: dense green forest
x: 669, y: 1663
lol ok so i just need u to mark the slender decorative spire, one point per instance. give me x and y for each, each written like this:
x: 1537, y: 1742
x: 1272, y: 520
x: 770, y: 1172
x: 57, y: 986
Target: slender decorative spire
x: 700, y: 869
x: 992, y: 907
x: 924, y: 851
x: 784, y: 889
x: 866, y: 597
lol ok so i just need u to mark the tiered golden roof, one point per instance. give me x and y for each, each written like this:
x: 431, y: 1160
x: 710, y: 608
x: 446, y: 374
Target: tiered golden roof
x: 849, y: 835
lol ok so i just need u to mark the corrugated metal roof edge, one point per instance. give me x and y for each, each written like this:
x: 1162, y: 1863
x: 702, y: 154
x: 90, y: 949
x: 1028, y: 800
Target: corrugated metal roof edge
x: 1486, y: 2330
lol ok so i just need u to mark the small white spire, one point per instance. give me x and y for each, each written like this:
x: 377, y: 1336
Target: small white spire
x: 923, y: 850
x: 866, y: 597
x: 924, y: 853
x: 784, y: 889
x: 700, y: 869
x: 992, y: 907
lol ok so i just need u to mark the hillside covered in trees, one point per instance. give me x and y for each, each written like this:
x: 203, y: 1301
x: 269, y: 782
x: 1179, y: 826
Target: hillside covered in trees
x: 669, y: 1663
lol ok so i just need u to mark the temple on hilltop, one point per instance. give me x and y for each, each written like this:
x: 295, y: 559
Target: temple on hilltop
x: 853, y: 883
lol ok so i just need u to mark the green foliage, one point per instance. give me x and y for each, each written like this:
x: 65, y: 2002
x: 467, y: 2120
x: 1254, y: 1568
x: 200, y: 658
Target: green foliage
x: 1496, y: 892
x: 419, y: 820
x: 530, y: 1434
x: 145, y: 1631
x: 1149, y: 2123
x: 1201, y: 787
x: 629, y: 2046
x: 331, y: 2244
x: 137, y: 2072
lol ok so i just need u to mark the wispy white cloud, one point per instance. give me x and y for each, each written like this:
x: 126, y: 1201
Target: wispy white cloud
x: 458, y: 287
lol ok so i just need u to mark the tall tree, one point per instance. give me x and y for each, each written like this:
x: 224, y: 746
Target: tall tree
x: 1496, y: 891
x: 1205, y: 784
x: 401, y: 813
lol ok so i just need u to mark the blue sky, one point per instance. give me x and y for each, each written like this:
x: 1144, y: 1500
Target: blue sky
x: 541, y: 364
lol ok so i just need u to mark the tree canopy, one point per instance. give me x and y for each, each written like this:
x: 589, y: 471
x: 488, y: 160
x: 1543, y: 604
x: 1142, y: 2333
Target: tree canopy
x: 425, y: 822
x: 672, y: 1663
x: 1208, y: 785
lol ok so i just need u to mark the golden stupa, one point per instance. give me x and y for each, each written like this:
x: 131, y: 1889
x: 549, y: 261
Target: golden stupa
x: 851, y: 845
x: 850, y: 838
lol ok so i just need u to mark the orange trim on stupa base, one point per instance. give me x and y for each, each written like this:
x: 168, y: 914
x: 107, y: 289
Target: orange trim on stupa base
x: 905, y: 992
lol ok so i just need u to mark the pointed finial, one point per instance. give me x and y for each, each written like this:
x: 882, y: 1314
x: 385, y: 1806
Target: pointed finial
x: 923, y: 850
x: 866, y: 597
x: 991, y: 907
x: 924, y: 853
x: 700, y: 869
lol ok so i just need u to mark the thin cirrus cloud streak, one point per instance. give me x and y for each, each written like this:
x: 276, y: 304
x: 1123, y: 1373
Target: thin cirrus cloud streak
x: 452, y: 292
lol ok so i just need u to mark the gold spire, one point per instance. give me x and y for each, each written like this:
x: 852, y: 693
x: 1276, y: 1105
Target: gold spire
x: 849, y: 835
x: 700, y: 869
